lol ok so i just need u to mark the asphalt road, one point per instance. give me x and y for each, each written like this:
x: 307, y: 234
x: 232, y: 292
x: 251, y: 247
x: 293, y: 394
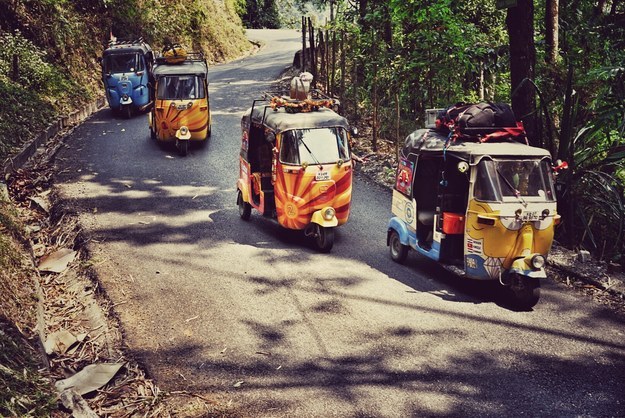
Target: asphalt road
x: 252, y: 316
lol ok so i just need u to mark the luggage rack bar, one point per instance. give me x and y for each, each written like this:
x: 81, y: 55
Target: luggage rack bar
x: 117, y: 42
x: 191, y: 57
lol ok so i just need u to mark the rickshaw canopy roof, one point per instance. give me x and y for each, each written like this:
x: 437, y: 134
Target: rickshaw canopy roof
x: 140, y: 48
x: 280, y: 120
x: 424, y: 141
x: 183, y: 68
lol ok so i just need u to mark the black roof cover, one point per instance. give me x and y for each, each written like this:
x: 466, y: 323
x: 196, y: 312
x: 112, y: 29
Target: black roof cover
x: 280, y: 120
x: 431, y: 140
x: 185, y: 67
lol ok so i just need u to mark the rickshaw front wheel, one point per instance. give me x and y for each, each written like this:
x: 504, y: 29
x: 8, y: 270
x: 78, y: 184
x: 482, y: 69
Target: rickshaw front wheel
x: 324, y: 238
x: 183, y: 147
x: 525, y: 291
x: 399, y: 251
x: 245, y: 209
x: 126, y: 111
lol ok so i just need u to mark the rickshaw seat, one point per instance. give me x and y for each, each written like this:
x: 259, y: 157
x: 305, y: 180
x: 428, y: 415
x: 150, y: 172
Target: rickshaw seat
x: 426, y: 217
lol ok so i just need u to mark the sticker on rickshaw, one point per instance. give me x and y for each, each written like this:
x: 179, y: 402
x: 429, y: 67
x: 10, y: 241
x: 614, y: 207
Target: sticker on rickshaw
x: 322, y: 176
x: 474, y: 246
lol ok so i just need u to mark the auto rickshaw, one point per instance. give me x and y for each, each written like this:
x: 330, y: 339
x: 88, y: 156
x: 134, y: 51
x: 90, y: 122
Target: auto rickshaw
x: 482, y: 205
x: 295, y: 165
x: 126, y: 74
x: 181, y: 111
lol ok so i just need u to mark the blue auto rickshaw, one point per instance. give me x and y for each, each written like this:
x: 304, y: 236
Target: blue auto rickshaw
x: 127, y: 77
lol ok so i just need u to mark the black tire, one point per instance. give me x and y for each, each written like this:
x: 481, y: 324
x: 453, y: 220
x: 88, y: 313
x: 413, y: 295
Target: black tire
x: 183, y: 147
x: 525, y: 292
x: 324, y: 238
x: 209, y: 131
x: 127, y: 111
x: 245, y: 209
x: 398, y: 251
x: 152, y: 134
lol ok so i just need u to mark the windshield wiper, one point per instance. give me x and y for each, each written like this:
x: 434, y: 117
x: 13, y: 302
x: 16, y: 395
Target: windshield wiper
x: 517, y: 193
x: 311, y: 154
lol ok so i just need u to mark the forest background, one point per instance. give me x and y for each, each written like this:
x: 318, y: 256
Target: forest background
x: 560, y: 63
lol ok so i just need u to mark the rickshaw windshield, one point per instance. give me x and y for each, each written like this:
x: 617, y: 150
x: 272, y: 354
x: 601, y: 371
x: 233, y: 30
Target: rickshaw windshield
x: 123, y: 63
x: 510, y: 180
x: 180, y: 87
x: 314, y: 146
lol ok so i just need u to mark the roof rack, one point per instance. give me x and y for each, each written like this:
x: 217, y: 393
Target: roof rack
x: 316, y: 100
x: 115, y: 42
x: 194, y: 56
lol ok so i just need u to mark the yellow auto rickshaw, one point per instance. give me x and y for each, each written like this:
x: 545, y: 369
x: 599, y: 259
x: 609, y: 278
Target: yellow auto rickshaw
x: 480, y: 202
x: 181, y: 111
x: 295, y: 165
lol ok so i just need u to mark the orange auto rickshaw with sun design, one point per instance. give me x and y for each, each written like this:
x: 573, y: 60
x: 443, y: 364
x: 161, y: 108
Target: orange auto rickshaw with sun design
x: 295, y: 165
x: 181, y: 111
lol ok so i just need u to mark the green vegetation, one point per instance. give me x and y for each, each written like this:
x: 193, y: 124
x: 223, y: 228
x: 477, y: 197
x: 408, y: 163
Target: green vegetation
x: 49, y: 50
x: 561, y: 67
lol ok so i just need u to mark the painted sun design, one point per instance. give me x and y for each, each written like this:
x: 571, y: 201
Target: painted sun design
x: 170, y: 119
x: 299, y: 195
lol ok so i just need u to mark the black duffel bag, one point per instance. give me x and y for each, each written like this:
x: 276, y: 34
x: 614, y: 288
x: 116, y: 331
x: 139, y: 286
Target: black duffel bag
x: 486, y: 115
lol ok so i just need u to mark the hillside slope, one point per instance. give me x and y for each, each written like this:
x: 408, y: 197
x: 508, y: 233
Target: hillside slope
x: 49, y: 50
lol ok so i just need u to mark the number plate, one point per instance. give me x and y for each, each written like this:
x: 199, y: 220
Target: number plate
x: 124, y: 77
x: 529, y: 216
x: 322, y: 175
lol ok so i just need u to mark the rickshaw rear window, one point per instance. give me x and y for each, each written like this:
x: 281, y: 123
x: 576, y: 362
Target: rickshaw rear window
x: 500, y: 180
x: 180, y: 87
x: 123, y: 63
x: 314, y: 146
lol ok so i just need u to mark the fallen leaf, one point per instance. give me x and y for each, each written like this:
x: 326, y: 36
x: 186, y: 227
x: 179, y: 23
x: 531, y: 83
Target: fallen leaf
x: 59, y: 342
x: 91, y: 378
x: 144, y: 223
x: 74, y: 402
x: 238, y: 384
x: 169, y: 156
x: 42, y: 203
x: 127, y: 185
x: 57, y: 261
x: 192, y: 318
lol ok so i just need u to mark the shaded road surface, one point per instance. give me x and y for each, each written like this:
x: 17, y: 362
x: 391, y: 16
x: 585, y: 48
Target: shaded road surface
x: 251, y: 316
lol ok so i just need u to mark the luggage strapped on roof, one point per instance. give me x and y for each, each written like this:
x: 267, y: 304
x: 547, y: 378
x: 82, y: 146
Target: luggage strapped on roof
x: 480, y: 122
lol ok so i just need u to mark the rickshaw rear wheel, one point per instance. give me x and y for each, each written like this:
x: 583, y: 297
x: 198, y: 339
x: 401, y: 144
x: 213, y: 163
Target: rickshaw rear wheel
x: 525, y: 291
x: 324, y: 238
x: 126, y: 111
x: 398, y: 251
x: 245, y: 209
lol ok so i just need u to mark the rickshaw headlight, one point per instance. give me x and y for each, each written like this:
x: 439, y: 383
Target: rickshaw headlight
x: 184, y: 130
x: 328, y: 214
x: 538, y: 261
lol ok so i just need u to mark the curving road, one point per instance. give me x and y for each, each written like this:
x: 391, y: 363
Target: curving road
x: 251, y: 316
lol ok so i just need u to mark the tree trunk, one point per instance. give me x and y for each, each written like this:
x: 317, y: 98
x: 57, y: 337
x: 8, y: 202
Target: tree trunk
x: 520, y: 25
x: 342, y: 63
x: 313, y: 56
x: 551, y: 30
x: 303, y: 59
